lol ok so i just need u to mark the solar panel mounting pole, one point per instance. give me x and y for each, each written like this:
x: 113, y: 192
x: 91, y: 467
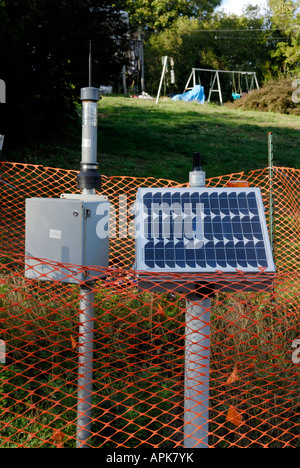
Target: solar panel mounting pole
x: 89, y: 181
x: 197, y: 352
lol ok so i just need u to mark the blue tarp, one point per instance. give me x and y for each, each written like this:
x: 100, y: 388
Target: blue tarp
x: 196, y: 94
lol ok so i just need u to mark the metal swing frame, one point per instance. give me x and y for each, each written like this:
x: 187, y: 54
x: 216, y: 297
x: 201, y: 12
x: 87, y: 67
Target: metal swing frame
x: 216, y: 79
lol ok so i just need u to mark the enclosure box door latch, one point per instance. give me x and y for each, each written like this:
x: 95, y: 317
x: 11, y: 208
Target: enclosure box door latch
x: 87, y: 213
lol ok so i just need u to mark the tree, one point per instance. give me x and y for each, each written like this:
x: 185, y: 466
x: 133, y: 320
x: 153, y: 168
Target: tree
x: 223, y: 41
x: 44, y: 57
x: 157, y: 15
x: 240, y: 41
x: 285, y: 20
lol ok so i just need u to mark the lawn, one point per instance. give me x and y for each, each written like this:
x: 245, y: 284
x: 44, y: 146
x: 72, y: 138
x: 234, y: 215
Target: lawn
x: 143, y: 139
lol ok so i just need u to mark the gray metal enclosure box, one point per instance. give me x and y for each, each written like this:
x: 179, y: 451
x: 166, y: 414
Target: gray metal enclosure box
x: 64, y: 234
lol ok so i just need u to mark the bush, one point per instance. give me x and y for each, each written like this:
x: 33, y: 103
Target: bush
x: 275, y: 96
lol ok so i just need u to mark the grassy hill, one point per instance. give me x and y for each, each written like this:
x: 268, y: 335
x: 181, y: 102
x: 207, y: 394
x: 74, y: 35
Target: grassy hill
x: 143, y: 139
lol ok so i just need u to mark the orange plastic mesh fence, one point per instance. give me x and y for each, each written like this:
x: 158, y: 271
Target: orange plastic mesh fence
x: 139, y: 337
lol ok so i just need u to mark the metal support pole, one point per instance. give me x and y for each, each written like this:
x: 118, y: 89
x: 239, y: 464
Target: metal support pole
x: 196, y: 390
x: 124, y: 79
x: 197, y: 350
x: 194, y: 78
x: 89, y: 180
x: 219, y: 88
x: 212, y: 90
x: 85, y: 365
x: 188, y: 81
x: 162, y: 77
x: 212, y: 87
x: 142, y: 58
x: 271, y: 201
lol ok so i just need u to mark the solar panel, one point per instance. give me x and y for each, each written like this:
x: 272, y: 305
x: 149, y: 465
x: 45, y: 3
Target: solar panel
x: 202, y: 230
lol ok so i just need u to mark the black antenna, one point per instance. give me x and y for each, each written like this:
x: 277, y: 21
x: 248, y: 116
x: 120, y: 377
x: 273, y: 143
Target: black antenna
x: 90, y: 65
x: 197, y: 161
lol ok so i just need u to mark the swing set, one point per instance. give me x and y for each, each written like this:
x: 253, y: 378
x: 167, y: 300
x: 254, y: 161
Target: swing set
x: 249, y: 79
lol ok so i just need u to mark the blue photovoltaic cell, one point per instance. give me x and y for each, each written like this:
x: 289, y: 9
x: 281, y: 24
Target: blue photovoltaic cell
x: 209, y: 229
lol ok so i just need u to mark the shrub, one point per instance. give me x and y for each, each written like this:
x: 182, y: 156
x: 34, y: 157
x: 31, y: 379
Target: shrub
x: 275, y: 96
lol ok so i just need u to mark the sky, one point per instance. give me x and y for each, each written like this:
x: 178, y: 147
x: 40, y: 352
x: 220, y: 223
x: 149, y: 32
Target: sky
x: 236, y: 6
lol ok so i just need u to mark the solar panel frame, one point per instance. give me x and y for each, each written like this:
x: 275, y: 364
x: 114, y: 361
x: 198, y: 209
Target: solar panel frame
x: 223, y: 229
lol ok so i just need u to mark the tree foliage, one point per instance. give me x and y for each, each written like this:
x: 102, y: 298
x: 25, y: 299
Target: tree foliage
x: 44, y: 56
x: 285, y: 19
x: 225, y: 42
x: 158, y: 15
x: 268, y: 44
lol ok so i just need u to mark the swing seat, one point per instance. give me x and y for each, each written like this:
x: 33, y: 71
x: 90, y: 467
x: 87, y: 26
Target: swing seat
x: 236, y: 95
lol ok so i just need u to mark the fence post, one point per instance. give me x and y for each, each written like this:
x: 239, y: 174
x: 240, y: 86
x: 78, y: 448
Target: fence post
x: 271, y: 200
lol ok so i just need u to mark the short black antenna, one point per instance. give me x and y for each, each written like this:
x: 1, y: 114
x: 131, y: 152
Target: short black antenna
x: 90, y: 65
x: 197, y: 161
x: 197, y: 175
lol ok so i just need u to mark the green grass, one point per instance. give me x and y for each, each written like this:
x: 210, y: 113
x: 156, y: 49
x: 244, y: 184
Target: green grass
x: 143, y: 139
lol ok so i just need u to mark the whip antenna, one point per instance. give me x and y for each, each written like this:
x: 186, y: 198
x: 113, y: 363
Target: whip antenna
x: 90, y: 65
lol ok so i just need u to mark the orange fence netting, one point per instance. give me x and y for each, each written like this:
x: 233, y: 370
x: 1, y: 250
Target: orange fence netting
x: 139, y: 336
